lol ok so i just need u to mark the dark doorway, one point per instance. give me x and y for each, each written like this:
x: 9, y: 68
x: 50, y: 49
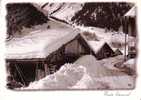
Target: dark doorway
x: 25, y: 72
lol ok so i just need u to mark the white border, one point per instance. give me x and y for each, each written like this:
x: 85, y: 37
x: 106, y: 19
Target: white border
x: 6, y: 94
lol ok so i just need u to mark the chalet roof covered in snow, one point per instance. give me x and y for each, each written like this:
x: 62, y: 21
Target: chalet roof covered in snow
x: 131, y: 12
x: 39, y: 42
x: 96, y: 45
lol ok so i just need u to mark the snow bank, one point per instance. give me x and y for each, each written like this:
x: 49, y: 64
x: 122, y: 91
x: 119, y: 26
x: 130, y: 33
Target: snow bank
x: 110, y: 78
x: 87, y: 82
x: 85, y: 73
x: 66, y: 77
x: 94, y: 68
x: 79, y: 74
x: 100, y: 76
x: 109, y: 63
x: 107, y: 82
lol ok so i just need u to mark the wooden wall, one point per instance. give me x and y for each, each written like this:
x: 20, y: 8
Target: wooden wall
x: 105, y: 52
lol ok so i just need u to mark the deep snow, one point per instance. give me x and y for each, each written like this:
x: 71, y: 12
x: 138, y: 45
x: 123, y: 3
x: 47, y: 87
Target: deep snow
x: 85, y: 73
x: 62, y: 11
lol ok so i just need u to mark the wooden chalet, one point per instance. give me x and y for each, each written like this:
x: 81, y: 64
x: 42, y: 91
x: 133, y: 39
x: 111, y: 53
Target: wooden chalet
x: 118, y: 52
x: 42, y: 52
x: 101, y: 49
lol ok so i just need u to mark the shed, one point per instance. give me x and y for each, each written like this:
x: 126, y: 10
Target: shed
x: 102, y: 49
x: 118, y: 52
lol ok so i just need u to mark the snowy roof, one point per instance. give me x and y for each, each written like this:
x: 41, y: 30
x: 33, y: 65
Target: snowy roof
x: 62, y: 11
x: 40, y: 42
x: 96, y: 45
x: 131, y: 12
x: 67, y: 11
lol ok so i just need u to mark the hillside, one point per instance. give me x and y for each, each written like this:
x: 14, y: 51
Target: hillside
x: 102, y: 15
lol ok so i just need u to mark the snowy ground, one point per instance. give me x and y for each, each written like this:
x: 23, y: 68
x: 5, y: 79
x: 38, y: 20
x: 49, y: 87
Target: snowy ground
x: 67, y: 11
x: 87, y: 73
x: 62, y: 11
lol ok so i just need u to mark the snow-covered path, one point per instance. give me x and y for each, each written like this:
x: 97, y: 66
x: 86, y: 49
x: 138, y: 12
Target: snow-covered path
x: 102, y: 75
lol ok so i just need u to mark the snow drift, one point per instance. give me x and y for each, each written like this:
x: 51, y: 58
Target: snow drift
x: 66, y: 77
x: 85, y: 73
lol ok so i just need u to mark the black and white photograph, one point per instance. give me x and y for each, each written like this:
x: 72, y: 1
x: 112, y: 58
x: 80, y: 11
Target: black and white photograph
x: 71, y: 46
